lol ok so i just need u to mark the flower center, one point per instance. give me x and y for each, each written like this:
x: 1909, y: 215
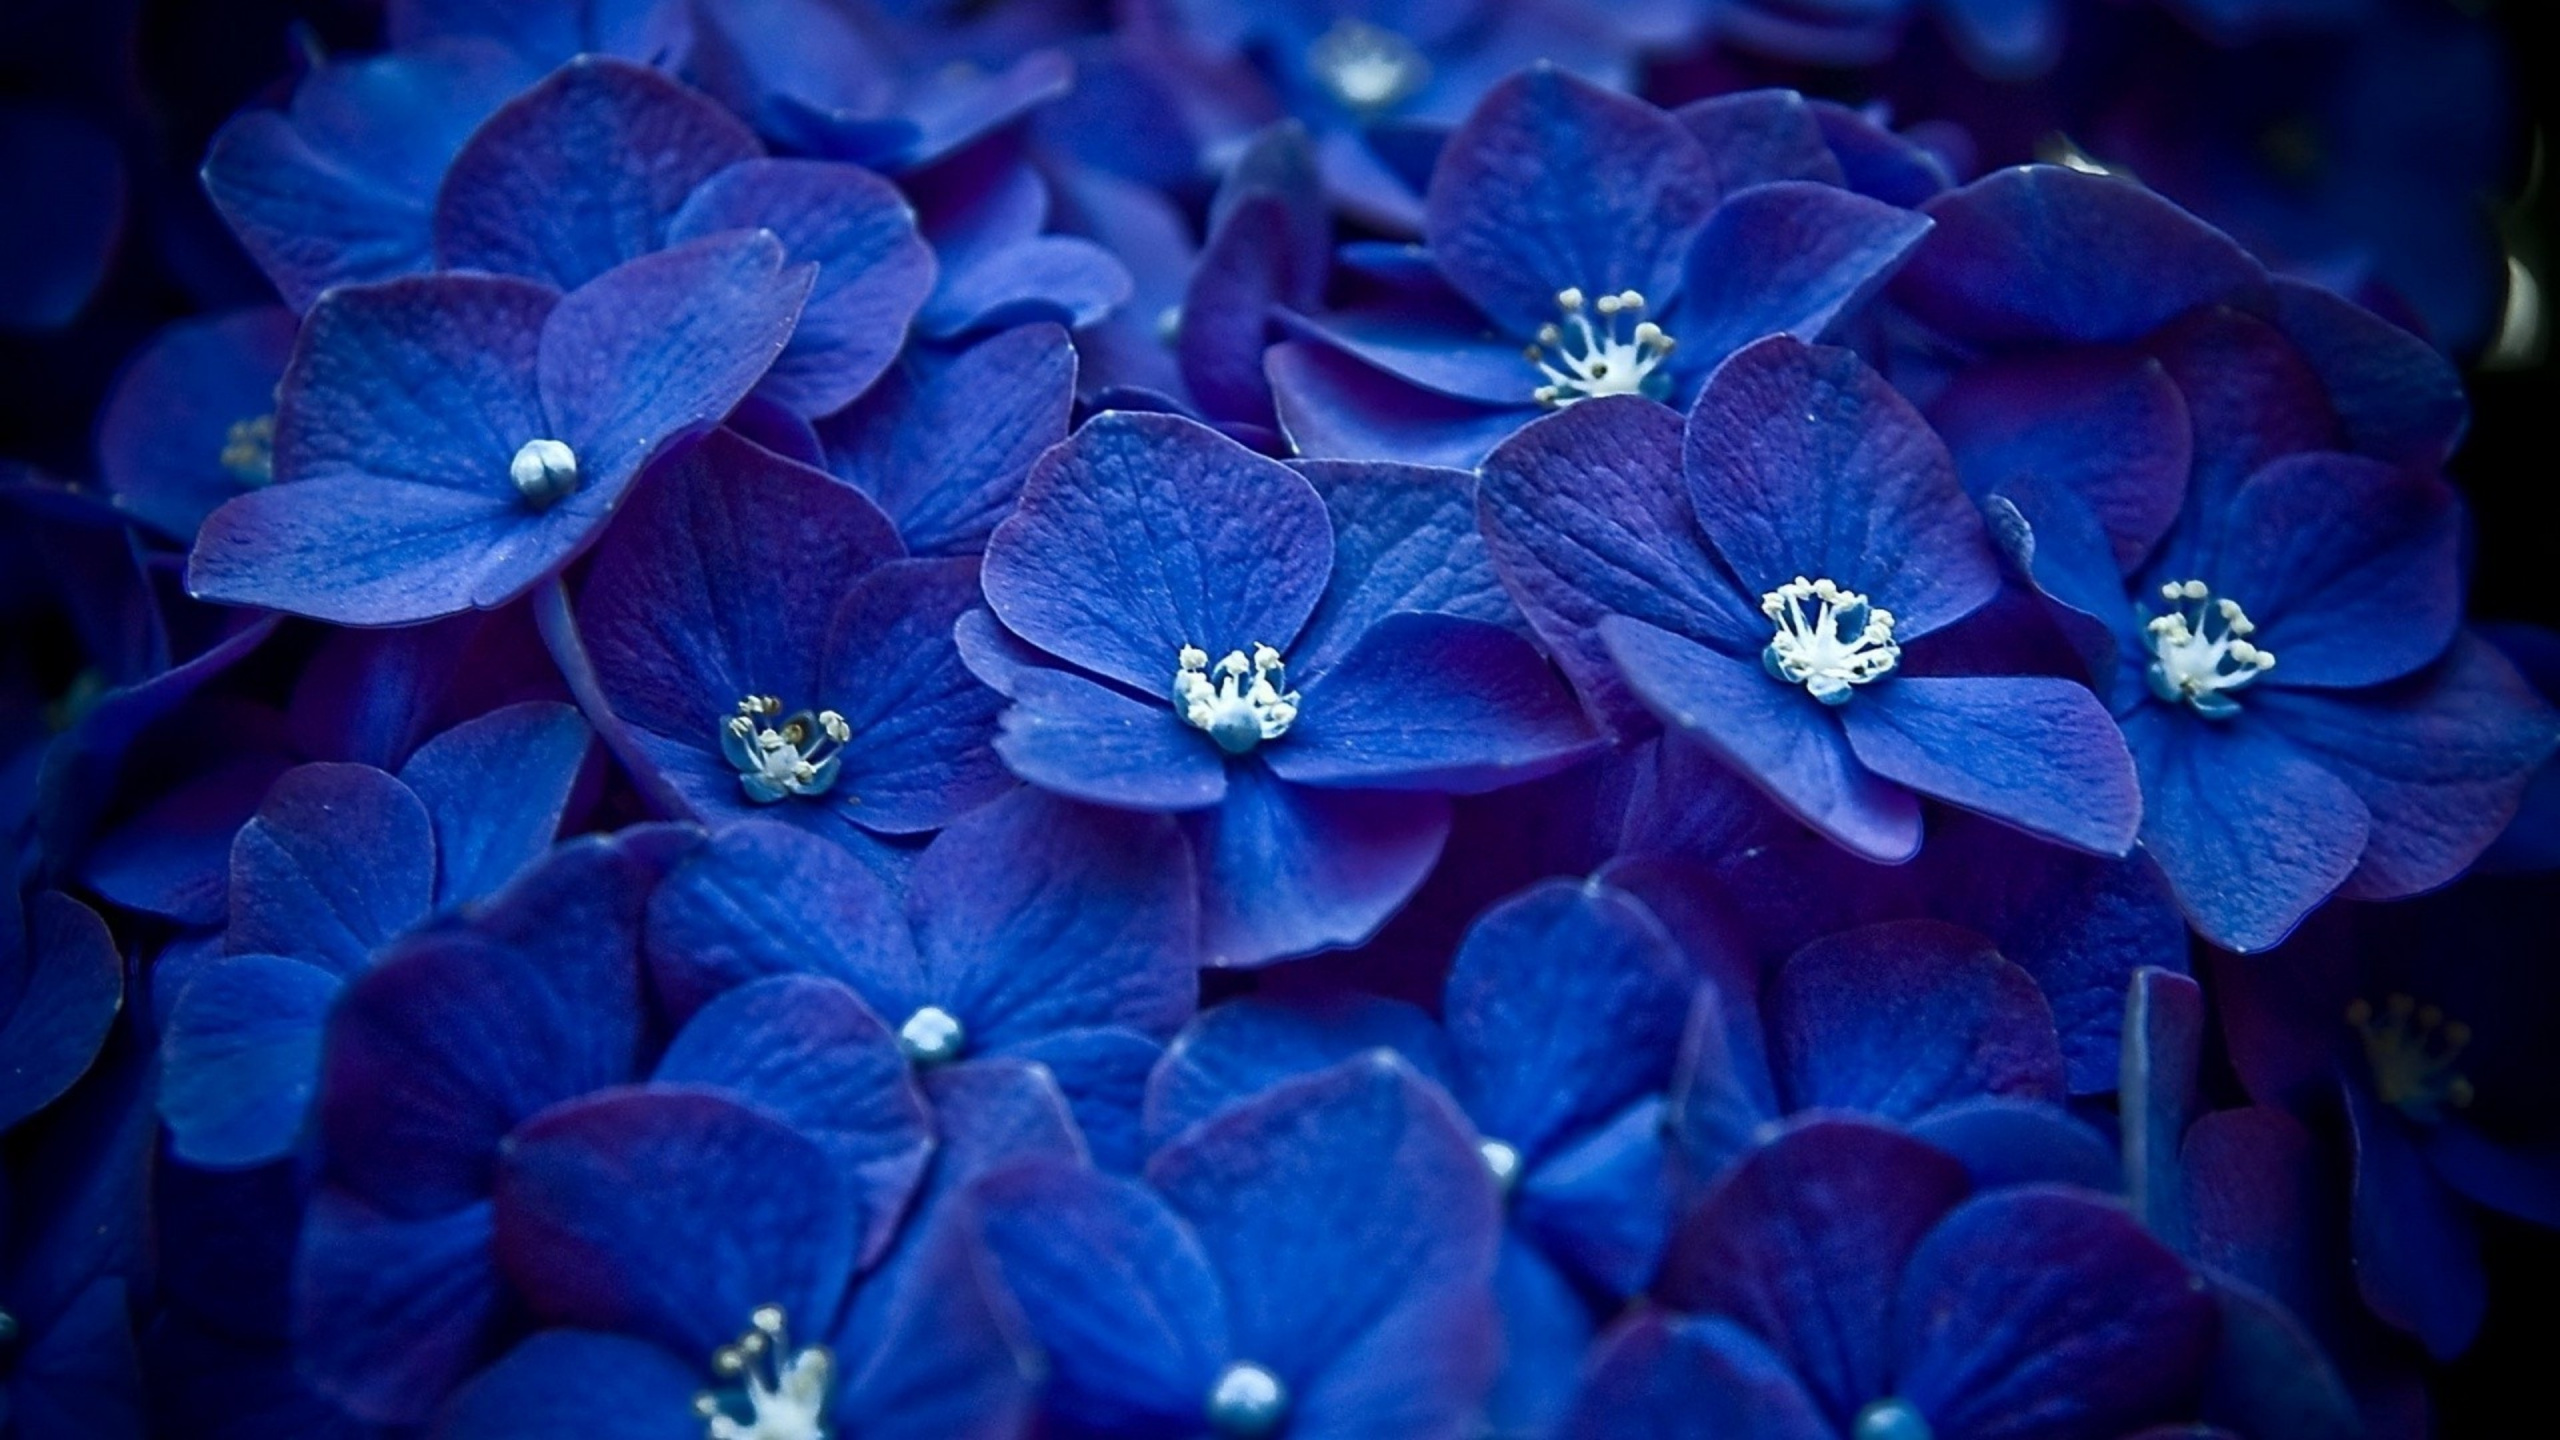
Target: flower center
x: 2412, y: 1049
x: 795, y: 755
x: 932, y: 1036
x: 1503, y: 1160
x: 1890, y: 1420
x: 2200, y: 650
x: 777, y: 1394
x: 1247, y: 1402
x: 544, y: 472
x: 1366, y: 68
x: 249, y: 450
x: 1239, y: 702
x: 1621, y: 353
x: 1842, y: 643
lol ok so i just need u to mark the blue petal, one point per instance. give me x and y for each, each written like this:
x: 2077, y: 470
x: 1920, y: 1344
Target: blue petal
x: 1117, y: 1290
x: 2159, y: 1097
x: 340, y: 859
x: 1790, y: 258
x: 1601, y: 1205
x: 581, y: 173
x: 495, y: 789
x: 671, y: 1215
x: 2398, y: 397
x: 2031, y: 1299
x: 1355, y: 1229
x: 2106, y: 427
x: 1804, y: 1242
x: 2417, y: 1251
x: 2350, y: 569
x: 164, y: 429
x: 1754, y: 137
x: 2251, y: 832
x: 943, y: 1357
x: 1033, y: 915
x: 2040, y: 252
x: 173, y: 858
x: 945, y: 450
x: 922, y: 723
x: 1666, y: 1377
x: 808, y: 1051
x: 560, y: 1384
x: 1865, y: 495
x: 2032, y: 751
x: 1088, y: 741
x: 765, y: 899
x: 1240, y: 1049
x: 1554, y: 182
x: 240, y: 1056
x: 1103, y: 1073
x: 1545, y: 1329
x: 1287, y: 870
x: 61, y: 1004
x: 391, y: 1313
x: 1433, y: 702
x: 1586, y: 516
x: 1405, y: 537
x: 1147, y: 533
x: 78, y: 1376
x: 1564, y: 1006
x: 1779, y: 738
x: 1906, y: 1017
x: 2005, y: 1142
x: 874, y: 270
x: 1334, y: 407
x: 1062, y: 279
x: 2251, y: 400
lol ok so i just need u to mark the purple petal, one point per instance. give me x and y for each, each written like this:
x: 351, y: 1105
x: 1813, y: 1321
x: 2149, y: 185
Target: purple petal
x: 64, y: 1003
x: 1334, y: 407
x: 1286, y: 870
x: 1490, y: 715
x: 1355, y: 1228
x: 2033, y: 1313
x: 495, y: 789
x: 1865, y: 495
x: 1554, y: 182
x: 2105, y: 426
x: 1088, y: 741
x: 338, y: 860
x: 1754, y: 137
x: 2044, y: 253
x: 1780, y: 739
x: 1805, y: 1241
x: 1145, y: 534
x: 1662, y: 1377
x: 1451, y: 355
x: 2350, y: 568
x: 2250, y: 400
x: 2398, y: 397
x: 2031, y: 751
x: 1586, y: 517
x: 581, y: 173
x: 1906, y: 1017
x: 1790, y: 258
x: 2251, y: 831
x: 874, y: 270
x: 389, y: 1313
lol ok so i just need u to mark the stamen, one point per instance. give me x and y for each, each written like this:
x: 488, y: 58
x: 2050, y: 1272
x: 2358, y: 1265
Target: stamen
x: 1366, y: 68
x: 799, y: 755
x: 1890, y: 1420
x: 1845, y: 643
x: 1247, y: 1402
x: 2201, y: 650
x: 1582, y: 360
x: 932, y: 1036
x: 2412, y: 1049
x: 544, y: 472
x: 781, y: 1399
x: 249, y: 450
x: 1503, y: 1159
x: 1247, y: 703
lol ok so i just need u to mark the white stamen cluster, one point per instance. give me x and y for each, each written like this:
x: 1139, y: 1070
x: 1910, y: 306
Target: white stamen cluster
x: 1247, y: 1403
x: 1366, y: 68
x: 932, y: 1036
x: 1239, y: 702
x: 795, y: 755
x: 1582, y: 360
x: 2201, y: 650
x: 1843, y: 643
x: 784, y: 1393
x: 544, y: 471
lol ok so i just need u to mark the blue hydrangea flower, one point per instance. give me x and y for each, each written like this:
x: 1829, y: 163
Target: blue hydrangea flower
x: 341, y: 860
x: 1319, y: 1259
x: 1848, y: 1280
x: 988, y: 213
x: 1561, y: 1023
x: 1753, y: 583
x: 450, y: 441
x: 1178, y: 636
x: 61, y: 983
x: 605, y: 161
x: 1580, y: 244
x: 1032, y: 929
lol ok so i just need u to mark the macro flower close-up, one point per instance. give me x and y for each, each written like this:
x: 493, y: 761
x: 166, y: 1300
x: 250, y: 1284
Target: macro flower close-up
x: 1278, y: 719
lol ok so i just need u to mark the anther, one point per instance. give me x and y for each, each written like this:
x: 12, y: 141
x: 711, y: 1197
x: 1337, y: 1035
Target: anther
x: 932, y: 1036
x: 784, y: 1394
x: 1366, y: 68
x: 544, y: 471
x: 2201, y: 651
x: 1581, y: 359
x: 1239, y: 702
x: 1890, y: 1420
x: 1248, y: 1402
x: 778, y: 755
x: 1503, y: 1160
x: 2412, y: 1050
x: 1842, y: 643
x: 249, y: 450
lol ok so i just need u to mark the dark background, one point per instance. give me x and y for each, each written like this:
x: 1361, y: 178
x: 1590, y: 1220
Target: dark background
x: 160, y: 75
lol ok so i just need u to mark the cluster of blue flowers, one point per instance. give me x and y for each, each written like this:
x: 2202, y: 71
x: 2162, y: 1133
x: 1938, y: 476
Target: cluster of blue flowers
x: 863, y: 719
